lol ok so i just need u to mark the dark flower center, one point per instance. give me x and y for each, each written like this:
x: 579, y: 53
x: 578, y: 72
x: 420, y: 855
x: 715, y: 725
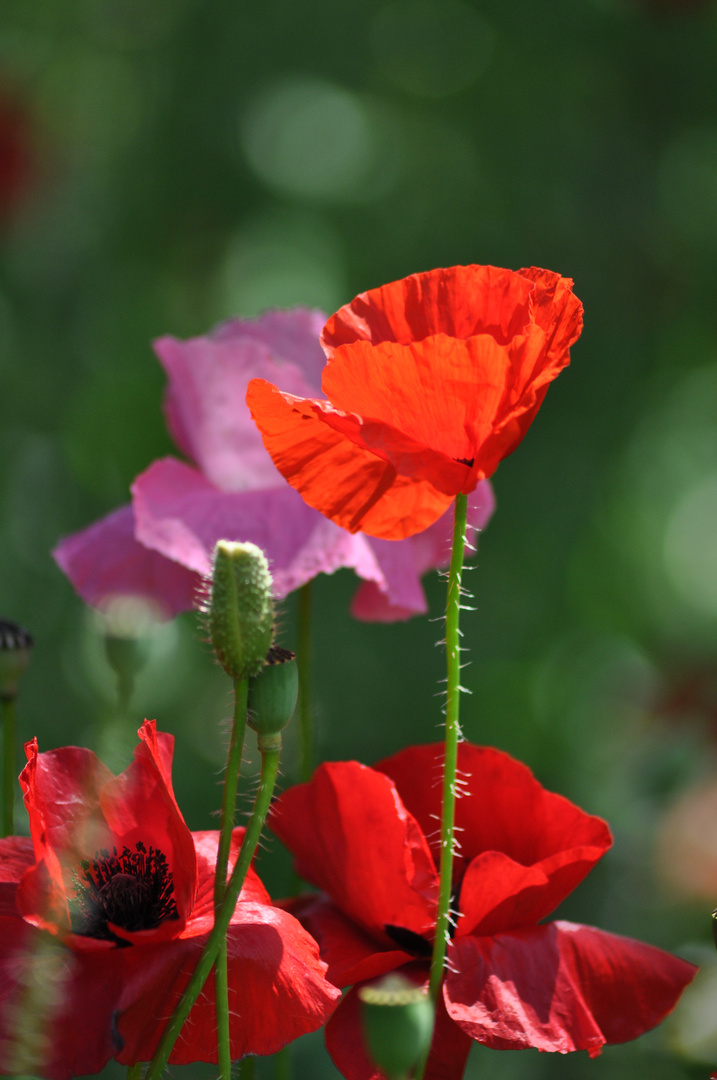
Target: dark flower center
x: 133, y: 890
x: 465, y: 461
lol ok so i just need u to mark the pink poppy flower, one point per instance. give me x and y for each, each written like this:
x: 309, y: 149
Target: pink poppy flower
x: 229, y: 488
x: 104, y: 912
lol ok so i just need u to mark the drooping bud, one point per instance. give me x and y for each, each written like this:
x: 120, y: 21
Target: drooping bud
x: 240, y: 609
x: 127, y: 624
x: 15, y: 647
x: 398, y: 1024
x: 273, y: 692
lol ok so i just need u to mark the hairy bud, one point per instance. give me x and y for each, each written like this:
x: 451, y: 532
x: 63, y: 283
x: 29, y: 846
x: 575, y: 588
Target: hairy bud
x: 240, y: 609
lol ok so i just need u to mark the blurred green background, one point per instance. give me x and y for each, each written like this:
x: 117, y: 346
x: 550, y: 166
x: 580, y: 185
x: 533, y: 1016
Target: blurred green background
x: 165, y: 165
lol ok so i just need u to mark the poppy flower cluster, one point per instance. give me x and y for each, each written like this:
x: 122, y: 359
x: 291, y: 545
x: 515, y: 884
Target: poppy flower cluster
x: 430, y: 382
x: 160, y: 546
x: 367, y: 838
x: 113, y: 874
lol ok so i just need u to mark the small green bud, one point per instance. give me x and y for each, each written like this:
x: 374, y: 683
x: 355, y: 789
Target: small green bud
x: 398, y: 1024
x: 240, y: 610
x: 273, y: 693
x: 15, y: 647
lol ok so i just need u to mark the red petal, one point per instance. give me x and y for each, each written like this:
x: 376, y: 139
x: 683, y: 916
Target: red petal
x: 69, y: 1028
x: 335, y: 475
x: 560, y: 987
x: 351, y: 955
x: 277, y: 990
x: 16, y: 856
x: 345, y: 1040
x: 205, y: 846
x: 353, y: 838
x: 459, y: 301
x: 139, y: 806
x: 555, y: 309
x: 502, y: 808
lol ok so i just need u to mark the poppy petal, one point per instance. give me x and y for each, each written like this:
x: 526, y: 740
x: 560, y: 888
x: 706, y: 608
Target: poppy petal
x: 16, y: 856
x: 204, y: 404
x: 352, y: 837
x: 335, y: 475
x: 106, y: 560
x: 459, y: 301
x: 560, y: 987
x: 351, y: 954
x: 140, y: 808
x: 346, y: 1045
x: 205, y: 847
x: 503, y: 808
x: 277, y: 990
x: 182, y: 515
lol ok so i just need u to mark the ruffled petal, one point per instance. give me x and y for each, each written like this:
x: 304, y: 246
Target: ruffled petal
x: 403, y: 563
x: 345, y: 1040
x: 352, y: 837
x: 459, y: 301
x: 182, y: 515
x: 351, y: 954
x: 106, y: 560
x: 349, y: 484
x: 560, y: 987
x: 277, y: 990
x: 204, y: 404
x: 502, y: 808
x: 139, y: 807
x: 555, y: 309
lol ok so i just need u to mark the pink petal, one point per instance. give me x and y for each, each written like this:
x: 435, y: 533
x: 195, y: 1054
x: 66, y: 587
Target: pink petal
x: 208, y: 376
x: 105, y: 560
x: 560, y: 987
x: 182, y: 515
x: 403, y: 562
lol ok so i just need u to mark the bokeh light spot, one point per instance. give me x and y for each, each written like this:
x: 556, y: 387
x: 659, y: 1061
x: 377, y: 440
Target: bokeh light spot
x: 310, y: 138
x: 431, y: 48
x: 690, y: 547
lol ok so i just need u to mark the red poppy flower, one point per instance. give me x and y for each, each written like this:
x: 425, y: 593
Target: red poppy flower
x: 111, y: 902
x: 368, y: 839
x: 431, y: 381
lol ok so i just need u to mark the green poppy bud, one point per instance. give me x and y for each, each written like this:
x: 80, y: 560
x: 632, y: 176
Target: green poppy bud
x: 15, y: 647
x: 240, y: 608
x: 398, y: 1024
x: 273, y: 693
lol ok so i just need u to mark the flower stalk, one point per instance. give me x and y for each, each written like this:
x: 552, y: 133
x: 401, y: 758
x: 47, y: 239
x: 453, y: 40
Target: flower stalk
x: 229, y: 795
x: 306, y: 726
x: 450, y: 762
x: 269, y: 747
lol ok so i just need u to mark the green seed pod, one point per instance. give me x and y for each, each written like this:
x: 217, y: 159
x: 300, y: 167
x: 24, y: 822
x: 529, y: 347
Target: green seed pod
x: 273, y: 693
x: 240, y: 610
x: 398, y: 1024
x: 15, y: 647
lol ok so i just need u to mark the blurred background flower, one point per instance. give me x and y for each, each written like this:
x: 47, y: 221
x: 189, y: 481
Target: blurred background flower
x: 194, y: 161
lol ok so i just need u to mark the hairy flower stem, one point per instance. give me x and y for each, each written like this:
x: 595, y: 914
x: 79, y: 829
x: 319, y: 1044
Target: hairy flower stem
x: 303, y: 657
x: 453, y: 732
x: 269, y: 748
x: 134, y: 1072
x: 7, y: 708
x: 229, y: 796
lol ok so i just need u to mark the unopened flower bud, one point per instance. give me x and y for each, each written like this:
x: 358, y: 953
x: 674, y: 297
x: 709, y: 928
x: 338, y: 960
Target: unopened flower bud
x: 398, y: 1024
x: 15, y: 647
x: 273, y: 693
x: 240, y: 609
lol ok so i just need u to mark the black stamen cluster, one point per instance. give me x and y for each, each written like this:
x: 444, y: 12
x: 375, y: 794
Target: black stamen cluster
x: 133, y: 890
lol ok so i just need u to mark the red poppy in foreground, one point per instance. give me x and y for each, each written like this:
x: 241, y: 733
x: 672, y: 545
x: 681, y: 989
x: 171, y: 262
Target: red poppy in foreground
x: 107, y: 909
x: 431, y: 382
x: 368, y: 839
